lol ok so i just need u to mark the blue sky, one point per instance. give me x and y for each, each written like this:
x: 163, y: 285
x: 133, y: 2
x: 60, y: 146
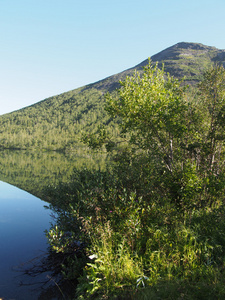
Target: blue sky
x: 52, y: 46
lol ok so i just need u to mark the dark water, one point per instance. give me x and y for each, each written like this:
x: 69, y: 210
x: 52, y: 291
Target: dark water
x: 23, y: 220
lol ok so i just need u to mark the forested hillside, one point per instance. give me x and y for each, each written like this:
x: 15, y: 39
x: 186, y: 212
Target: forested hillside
x: 58, y: 123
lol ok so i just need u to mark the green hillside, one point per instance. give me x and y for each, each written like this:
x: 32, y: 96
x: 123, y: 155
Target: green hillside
x: 57, y: 123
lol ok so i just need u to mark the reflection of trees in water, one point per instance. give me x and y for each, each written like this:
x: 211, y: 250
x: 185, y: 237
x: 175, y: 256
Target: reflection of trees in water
x: 35, y: 170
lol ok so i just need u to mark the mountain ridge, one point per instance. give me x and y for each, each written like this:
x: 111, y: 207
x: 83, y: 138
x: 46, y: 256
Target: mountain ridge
x: 58, y: 122
x: 164, y: 56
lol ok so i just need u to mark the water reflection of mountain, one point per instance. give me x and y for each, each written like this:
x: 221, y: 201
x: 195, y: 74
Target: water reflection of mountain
x: 33, y: 171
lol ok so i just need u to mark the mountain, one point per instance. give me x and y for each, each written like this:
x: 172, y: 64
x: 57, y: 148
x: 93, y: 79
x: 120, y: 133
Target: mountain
x: 57, y: 123
x: 181, y: 60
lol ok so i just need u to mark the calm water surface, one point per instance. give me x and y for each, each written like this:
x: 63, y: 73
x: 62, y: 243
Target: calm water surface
x: 23, y: 217
x: 23, y: 220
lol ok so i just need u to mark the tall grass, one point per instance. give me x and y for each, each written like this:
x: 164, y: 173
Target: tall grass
x: 138, y: 247
x: 185, y: 256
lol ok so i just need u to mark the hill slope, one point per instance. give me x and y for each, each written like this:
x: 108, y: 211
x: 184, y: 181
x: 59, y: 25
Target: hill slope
x: 57, y: 123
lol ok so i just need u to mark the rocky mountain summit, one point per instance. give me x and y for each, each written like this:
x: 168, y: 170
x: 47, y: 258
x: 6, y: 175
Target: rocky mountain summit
x: 183, y: 59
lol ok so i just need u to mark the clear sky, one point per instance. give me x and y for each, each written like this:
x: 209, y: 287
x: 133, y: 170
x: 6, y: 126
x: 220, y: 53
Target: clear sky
x: 52, y: 46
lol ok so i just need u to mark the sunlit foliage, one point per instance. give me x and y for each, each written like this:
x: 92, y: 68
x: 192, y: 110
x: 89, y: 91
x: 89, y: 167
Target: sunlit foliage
x: 152, y: 224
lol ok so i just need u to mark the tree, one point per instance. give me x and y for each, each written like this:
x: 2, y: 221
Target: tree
x: 153, y: 111
x: 183, y: 138
x: 212, y: 91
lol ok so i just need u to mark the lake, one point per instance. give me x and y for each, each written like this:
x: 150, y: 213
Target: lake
x: 24, y: 177
x: 23, y: 220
